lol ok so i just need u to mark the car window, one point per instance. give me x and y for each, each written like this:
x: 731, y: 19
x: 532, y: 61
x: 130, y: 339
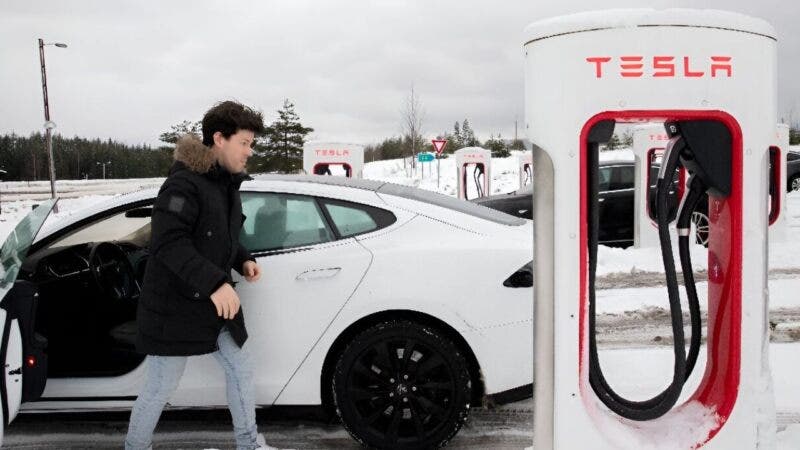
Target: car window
x: 351, y: 219
x: 792, y: 156
x: 654, y: 176
x: 622, y: 177
x: 16, y: 246
x: 278, y: 221
x: 605, y: 178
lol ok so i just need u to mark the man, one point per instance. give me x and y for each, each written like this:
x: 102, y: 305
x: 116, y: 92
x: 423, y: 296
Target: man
x: 188, y: 305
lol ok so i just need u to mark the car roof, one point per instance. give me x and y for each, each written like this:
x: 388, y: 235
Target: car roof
x: 357, y: 183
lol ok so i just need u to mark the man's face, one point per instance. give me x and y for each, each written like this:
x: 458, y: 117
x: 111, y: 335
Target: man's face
x: 233, y: 153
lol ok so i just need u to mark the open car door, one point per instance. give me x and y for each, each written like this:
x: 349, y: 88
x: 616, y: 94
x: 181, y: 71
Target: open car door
x: 20, y: 380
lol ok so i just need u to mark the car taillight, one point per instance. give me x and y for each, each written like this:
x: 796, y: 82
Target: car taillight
x: 522, y: 278
x: 30, y: 361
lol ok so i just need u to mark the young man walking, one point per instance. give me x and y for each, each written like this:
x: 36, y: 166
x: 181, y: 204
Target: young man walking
x: 188, y: 305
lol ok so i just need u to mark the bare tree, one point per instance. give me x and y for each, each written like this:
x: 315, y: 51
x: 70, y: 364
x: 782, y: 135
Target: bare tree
x: 413, y: 116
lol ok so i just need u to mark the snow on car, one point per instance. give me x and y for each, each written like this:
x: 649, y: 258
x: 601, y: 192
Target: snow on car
x: 398, y: 308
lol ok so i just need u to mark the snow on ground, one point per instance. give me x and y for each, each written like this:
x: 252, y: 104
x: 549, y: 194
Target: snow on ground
x: 782, y: 294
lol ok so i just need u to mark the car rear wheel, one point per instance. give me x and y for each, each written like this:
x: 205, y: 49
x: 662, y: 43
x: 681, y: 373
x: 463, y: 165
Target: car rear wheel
x: 400, y: 384
x: 794, y: 184
x: 701, y: 228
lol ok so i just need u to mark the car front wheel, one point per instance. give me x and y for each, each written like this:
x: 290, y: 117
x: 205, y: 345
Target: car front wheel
x: 400, y: 384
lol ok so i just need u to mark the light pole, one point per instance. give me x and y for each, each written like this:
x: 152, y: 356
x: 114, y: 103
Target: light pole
x: 48, y: 124
x: 104, y: 167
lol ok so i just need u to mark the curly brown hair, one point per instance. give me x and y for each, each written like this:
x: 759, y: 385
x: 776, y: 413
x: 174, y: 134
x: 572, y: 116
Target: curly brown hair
x: 229, y: 117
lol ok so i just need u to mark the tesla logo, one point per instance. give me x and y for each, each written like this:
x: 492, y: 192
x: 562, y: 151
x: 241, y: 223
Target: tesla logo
x: 326, y: 152
x: 659, y: 137
x: 664, y: 66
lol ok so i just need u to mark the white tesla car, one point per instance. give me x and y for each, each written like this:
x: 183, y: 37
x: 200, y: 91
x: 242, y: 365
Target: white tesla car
x: 395, y: 307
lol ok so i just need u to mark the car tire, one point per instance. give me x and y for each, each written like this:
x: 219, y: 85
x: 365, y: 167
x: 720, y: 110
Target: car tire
x: 400, y: 384
x: 794, y: 184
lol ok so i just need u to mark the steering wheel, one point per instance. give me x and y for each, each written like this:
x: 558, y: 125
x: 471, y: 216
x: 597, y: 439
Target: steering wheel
x: 112, y: 271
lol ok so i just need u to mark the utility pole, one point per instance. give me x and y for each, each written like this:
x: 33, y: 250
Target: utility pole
x: 104, y: 167
x: 515, y: 129
x: 48, y: 124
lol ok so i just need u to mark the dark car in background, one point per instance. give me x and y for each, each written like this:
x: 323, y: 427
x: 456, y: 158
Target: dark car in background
x: 792, y: 171
x: 616, y: 203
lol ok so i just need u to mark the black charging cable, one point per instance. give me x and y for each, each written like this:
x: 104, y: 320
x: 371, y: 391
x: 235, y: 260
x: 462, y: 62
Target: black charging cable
x: 476, y: 174
x: 660, y: 404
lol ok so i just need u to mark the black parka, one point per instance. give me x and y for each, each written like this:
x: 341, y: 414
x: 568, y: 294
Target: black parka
x: 196, y: 221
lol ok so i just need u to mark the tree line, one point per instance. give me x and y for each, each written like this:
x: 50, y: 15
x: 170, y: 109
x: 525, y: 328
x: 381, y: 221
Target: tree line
x: 24, y: 158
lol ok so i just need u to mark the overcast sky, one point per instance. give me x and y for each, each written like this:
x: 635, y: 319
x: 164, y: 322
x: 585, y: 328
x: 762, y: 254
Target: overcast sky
x: 133, y: 68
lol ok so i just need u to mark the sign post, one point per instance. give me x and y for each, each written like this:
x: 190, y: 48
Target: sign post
x: 438, y: 145
x: 423, y: 158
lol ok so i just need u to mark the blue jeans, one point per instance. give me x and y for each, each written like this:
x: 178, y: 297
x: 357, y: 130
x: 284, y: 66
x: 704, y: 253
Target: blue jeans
x: 163, y: 375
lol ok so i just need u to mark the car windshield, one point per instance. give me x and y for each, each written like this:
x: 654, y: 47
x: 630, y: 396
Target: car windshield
x: 16, y: 246
x: 122, y: 226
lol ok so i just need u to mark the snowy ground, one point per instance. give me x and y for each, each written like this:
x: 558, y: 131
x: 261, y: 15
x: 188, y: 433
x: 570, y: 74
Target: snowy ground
x: 633, y: 323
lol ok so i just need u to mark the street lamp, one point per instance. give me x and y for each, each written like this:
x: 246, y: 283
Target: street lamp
x: 48, y: 124
x: 104, y: 167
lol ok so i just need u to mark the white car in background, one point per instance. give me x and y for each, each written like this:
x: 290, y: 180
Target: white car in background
x: 395, y: 307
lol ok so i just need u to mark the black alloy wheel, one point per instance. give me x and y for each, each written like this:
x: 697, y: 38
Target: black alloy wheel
x: 794, y: 184
x: 402, y: 385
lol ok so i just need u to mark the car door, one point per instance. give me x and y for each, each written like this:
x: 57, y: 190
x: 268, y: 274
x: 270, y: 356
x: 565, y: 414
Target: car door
x: 12, y: 314
x: 616, y: 203
x: 310, y: 270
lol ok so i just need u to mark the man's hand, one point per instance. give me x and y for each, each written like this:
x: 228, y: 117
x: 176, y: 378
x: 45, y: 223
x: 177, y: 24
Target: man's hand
x: 251, y: 271
x: 226, y: 300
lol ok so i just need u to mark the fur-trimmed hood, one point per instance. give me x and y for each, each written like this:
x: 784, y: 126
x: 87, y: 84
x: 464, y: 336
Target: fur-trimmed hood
x: 191, y: 152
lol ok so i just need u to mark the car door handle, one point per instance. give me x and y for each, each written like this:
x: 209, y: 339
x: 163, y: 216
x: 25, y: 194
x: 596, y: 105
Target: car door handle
x: 319, y: 274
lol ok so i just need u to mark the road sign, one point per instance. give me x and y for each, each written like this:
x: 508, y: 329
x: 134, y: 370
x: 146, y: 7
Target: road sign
x: 439, y: 145
x: 425, y: 157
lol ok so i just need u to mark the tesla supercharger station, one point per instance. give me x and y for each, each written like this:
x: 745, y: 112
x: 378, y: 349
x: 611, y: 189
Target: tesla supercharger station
x: 473, y: 172
x: 330, y: 158
x: 649, y: 142
x: 709, y: 77
x: 779, y: 217
x: 525, y: 169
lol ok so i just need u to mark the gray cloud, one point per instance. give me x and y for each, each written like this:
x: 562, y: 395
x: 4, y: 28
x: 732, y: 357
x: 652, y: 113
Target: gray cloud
x: 133, y: 68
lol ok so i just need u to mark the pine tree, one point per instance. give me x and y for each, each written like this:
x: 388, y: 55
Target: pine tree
x: 613, y: 143
x: 171, y: 137
x: 498, y: 147
x: 458, y: 140
x: 468, y: 136
x: 281, y: 149
x: 627, y: 139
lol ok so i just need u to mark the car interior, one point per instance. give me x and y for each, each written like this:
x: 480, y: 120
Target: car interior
x: 88, y: 282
